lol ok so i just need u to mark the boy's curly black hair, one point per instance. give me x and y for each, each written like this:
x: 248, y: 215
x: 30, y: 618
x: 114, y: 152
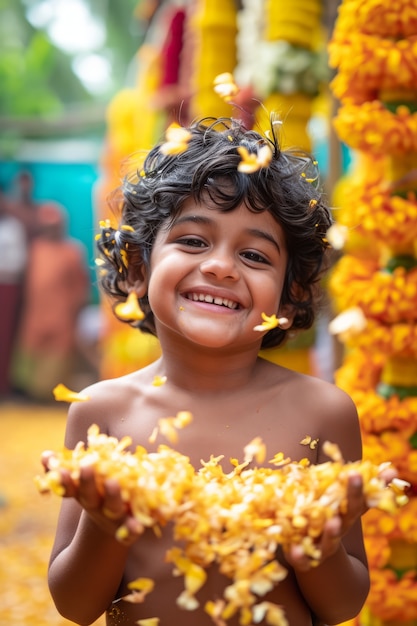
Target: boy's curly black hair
x: 287, y: 188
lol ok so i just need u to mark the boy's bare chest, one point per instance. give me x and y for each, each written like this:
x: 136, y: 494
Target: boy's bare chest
x: 222, y: 426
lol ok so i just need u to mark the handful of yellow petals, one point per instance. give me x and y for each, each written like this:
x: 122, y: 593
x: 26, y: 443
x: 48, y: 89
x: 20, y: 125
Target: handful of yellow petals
x: 236, y: 520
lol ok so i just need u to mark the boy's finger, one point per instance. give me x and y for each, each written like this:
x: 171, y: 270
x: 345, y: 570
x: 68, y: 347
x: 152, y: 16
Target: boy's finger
x: 88, y: 495
x: 113, y: 506
x: 355, y: 495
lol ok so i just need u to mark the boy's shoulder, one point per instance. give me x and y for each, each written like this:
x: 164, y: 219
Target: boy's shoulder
x: 106, y: 402
x: 303, y: 386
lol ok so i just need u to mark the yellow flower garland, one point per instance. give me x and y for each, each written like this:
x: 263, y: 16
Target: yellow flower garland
x: 369, y: 63
x: 374, y: 49
x: 378, y: 17
x: 373, y: 128
x: 388, y: 297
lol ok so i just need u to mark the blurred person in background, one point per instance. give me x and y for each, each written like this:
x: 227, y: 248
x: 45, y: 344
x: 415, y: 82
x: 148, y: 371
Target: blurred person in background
x: 13, y: 257
x: 57, y: 288
x: 23, y: 206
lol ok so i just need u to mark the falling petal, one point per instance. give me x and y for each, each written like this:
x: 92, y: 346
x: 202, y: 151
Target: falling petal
x: 224, y: 85
x: 140, y: 589
x: 251, y: 161
x: 172, y: 148
x: 182, y: 419
x: 158, y: 381
x: 154, y: 435
x: 177, y: 133
x: 177, y: 139
x: 255, y: 449
x: 337, y: 236
x: 130, y: 309
x: 167, y: 429
x: 123, y: 255
x: 148, y: 621
x: 248, y: 164
x: 264, y: 156
x: 63, y: 394
x: 270, y: 322
x: 348, y: 323
x: 195, y: 577
x: 142, y: 584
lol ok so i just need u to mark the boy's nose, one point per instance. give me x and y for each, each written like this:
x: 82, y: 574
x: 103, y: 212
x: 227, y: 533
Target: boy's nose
x: 220, y: 264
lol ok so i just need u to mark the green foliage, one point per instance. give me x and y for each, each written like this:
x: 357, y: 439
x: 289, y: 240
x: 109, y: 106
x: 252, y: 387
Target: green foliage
x: 37, y: 78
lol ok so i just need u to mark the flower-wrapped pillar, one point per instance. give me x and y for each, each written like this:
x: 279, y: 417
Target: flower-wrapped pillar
x: 374, y: 49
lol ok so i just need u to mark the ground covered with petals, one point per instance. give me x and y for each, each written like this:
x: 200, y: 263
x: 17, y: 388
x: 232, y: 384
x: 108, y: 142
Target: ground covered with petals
x: 27, y: 519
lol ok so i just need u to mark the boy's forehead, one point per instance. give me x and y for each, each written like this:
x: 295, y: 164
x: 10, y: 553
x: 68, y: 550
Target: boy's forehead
x: 193, y: 211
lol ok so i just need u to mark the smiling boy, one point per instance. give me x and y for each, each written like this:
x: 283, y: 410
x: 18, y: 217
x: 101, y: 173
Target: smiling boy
x: 208, y: 249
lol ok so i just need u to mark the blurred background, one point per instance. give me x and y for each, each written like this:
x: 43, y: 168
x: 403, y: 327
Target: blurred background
x: 86, y: 83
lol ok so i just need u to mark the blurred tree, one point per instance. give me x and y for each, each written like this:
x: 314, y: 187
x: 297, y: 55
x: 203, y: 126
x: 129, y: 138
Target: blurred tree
x: 41, y: 92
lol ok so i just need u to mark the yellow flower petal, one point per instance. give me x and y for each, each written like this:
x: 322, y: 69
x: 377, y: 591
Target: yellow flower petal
x: 224, y: 85
x: 270, y: 322
x: 63, y: 394
x: 348, y: 323
x: 173, y: 147
x: 142, y: 584
x: 177, y: 139
x: 158, y: 381
x: 255, y: 449
x: 337, y: 236
x: 177, y: 133
x: 148, y: 621
x: 130, y: 309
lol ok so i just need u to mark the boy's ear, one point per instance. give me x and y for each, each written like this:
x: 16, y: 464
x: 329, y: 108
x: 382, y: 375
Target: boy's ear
x: 137, y: 280
x: 286, y: 311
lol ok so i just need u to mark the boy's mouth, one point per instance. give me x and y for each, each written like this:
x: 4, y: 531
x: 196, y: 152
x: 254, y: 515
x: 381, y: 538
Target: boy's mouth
x: 205, y: 297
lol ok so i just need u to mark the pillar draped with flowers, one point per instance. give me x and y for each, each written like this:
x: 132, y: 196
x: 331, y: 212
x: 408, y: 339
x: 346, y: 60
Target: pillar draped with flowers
x: 374, y: 50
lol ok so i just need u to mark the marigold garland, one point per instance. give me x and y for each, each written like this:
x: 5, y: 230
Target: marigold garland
x: 368, y: 64
x: 385, y: 18
x: 372, y: 127
x: 387, y: 297
x: 387, y: 339
x: 374, y: 212
x: 373, y: 47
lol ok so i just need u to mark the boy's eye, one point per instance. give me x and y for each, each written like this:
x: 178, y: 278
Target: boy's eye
x: 254, y: 256
x: 193, y: 242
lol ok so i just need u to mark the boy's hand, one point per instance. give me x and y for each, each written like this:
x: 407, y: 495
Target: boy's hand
x: 336, y: 527
x: 106, y: 507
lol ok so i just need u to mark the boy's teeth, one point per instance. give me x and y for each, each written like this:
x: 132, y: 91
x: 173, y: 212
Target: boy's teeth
x: 200, y: 297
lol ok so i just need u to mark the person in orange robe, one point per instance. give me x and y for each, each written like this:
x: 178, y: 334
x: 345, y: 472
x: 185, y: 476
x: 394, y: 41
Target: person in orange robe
x: 56, y: 290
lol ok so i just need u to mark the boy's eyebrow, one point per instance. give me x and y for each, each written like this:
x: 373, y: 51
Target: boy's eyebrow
x: 202, y: 219
x: 263, y: 234
x: 194, y: 219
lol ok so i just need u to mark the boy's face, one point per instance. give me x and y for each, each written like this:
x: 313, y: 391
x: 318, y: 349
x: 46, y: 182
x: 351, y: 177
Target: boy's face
x: 213, y: 274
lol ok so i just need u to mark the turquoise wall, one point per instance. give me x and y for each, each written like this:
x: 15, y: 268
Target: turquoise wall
x: 70, y: 184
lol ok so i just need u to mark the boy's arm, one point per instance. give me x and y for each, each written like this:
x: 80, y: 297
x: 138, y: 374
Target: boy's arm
x: 86, y: 566
x: 87, y: 562
x: 336, y: 589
